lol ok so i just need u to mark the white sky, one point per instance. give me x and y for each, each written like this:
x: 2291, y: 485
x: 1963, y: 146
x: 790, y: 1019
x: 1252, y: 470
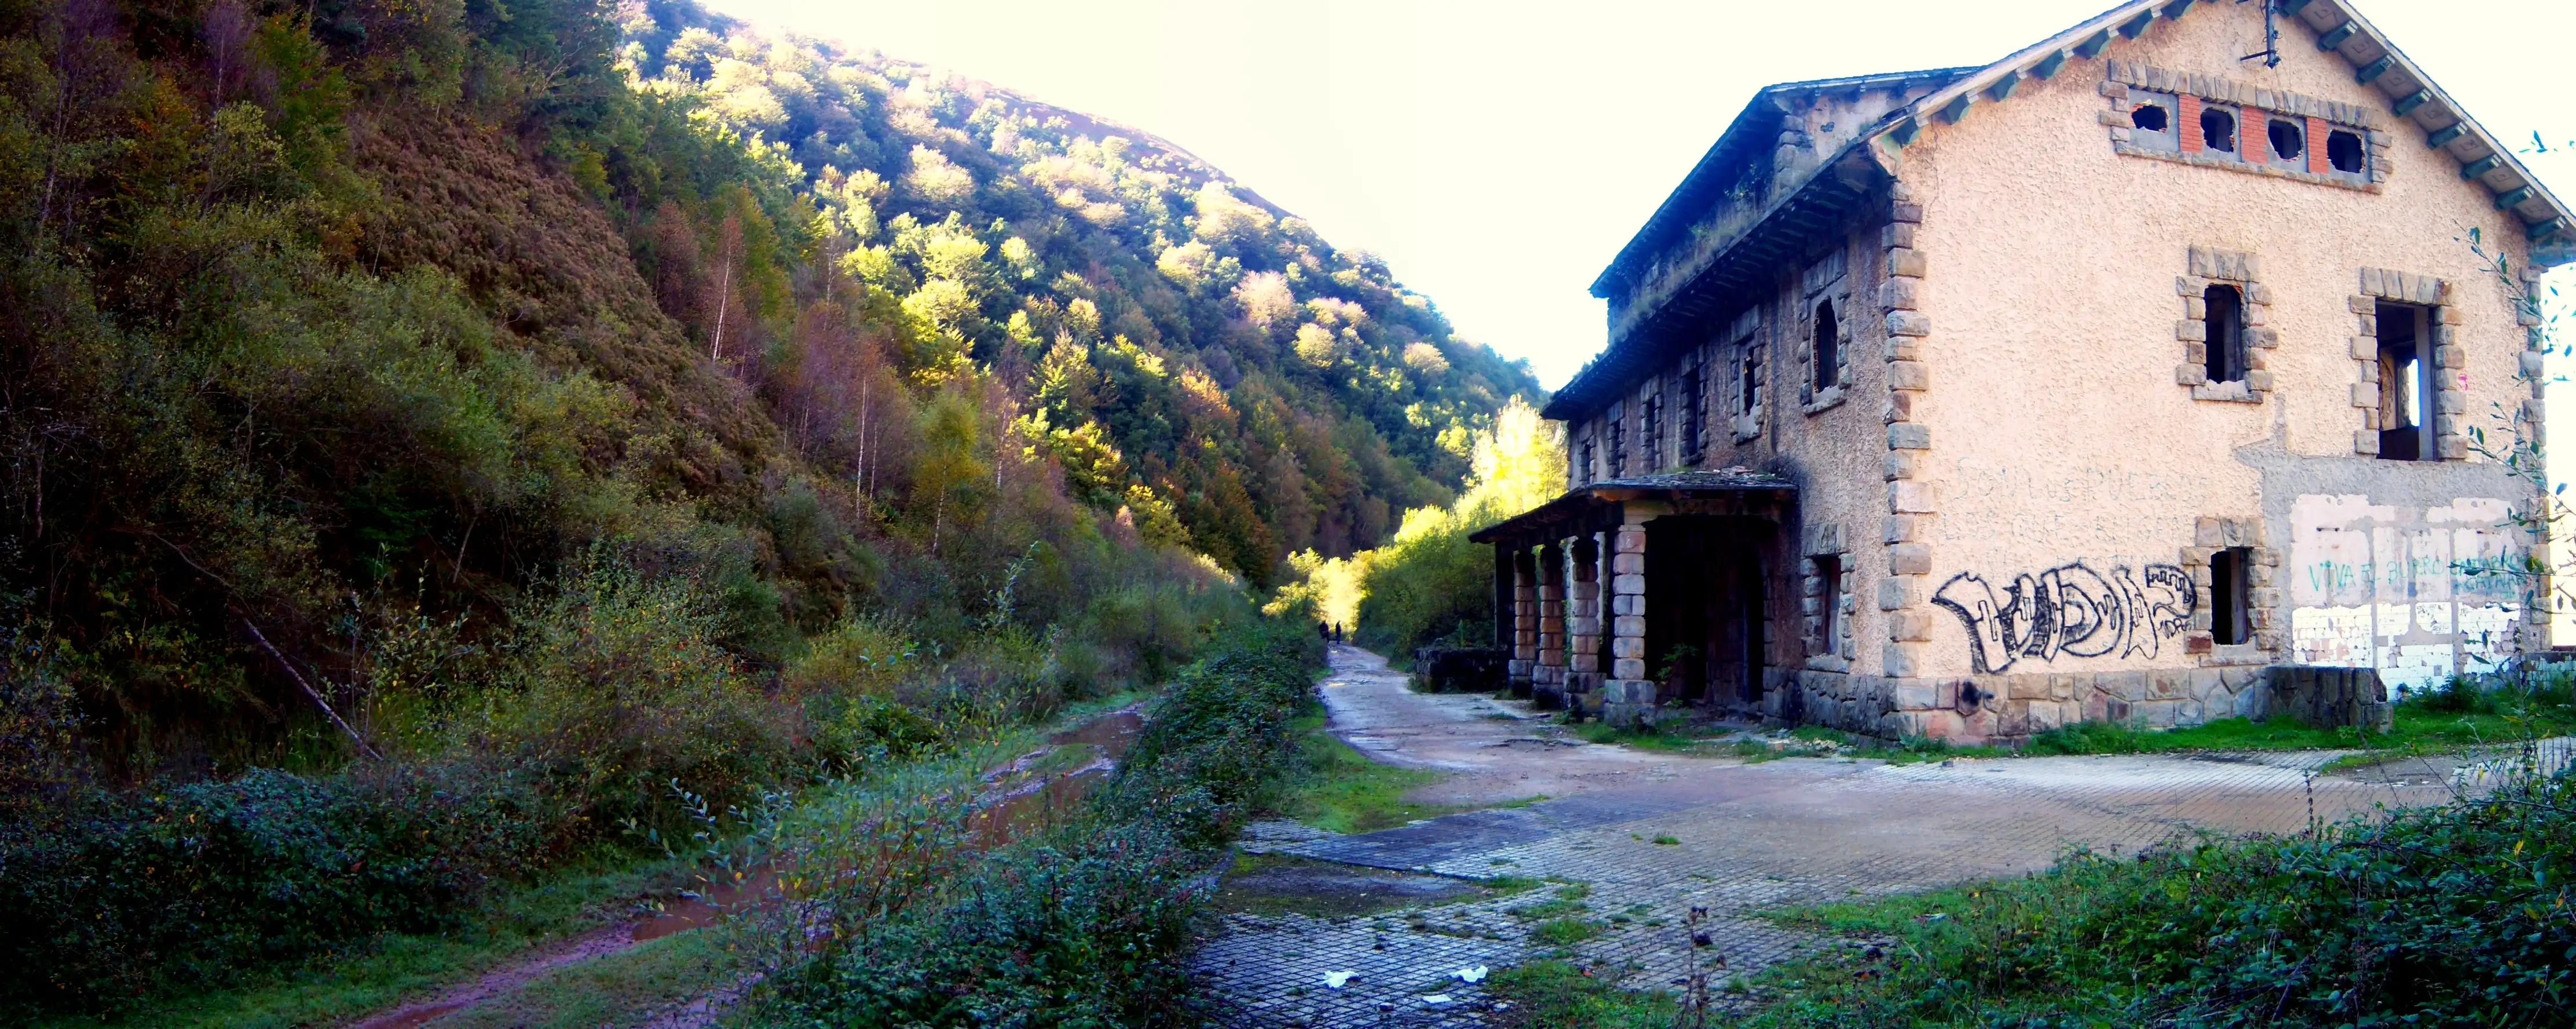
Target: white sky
x: 1497, y: 154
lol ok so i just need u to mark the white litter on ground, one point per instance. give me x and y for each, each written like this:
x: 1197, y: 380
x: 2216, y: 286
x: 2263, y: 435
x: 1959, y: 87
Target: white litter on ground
x: 1334, y: 980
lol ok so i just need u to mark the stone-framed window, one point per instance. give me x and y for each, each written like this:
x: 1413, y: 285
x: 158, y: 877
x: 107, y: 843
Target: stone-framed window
x: 2236, y: 346
x: 2412, y: 385
x: 1824, y: 330
x: 2217, y: 122
x: 1827, y: 602
x: 1587, y: 470
x: 1745, y: 376
x: 2233, y: 570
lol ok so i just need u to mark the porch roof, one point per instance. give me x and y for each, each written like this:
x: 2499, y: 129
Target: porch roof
x: 1597, y: 505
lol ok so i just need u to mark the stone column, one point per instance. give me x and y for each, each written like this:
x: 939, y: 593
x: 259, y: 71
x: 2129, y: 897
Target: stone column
x: 1628, y: 697
x: 1547, y: 681
x: 1583, y: 626
x: 1524, y: 620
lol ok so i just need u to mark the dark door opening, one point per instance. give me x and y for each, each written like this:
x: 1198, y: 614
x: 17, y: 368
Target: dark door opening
x: 1708, y: 610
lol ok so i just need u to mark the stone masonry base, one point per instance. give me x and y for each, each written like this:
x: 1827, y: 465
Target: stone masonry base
x: 2004, y: 708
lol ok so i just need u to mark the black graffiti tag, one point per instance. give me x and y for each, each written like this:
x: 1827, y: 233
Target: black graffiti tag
x: 2071, y: 611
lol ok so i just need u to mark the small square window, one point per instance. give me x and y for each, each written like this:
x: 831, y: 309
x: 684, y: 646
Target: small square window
x: 2151, y: 121
x: 2345, y: 154
x: 2217, y: 130
x: 2288, y: 143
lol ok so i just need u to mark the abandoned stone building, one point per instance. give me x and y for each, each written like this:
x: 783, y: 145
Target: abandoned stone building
x: 2089, y: 384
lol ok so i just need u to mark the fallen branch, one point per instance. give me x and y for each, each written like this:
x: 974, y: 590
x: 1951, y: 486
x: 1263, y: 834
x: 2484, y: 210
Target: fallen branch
x: 309, y: 691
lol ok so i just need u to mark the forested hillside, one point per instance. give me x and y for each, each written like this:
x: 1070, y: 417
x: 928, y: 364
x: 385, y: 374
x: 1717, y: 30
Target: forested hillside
x: 348, y: 342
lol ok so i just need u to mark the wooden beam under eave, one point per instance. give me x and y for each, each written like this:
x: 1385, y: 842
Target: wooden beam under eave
x: 2092, y: 48
x: 2135, y: 27
x: 2003, y: 87
x: 1956, y: 109
x: 2047, y: 66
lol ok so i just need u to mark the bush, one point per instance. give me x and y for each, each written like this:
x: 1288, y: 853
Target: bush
x: 620, y: 690
x: 1088, y: 924
x: 141, y: 892
x: 2448, y: 916
x: 1088, y: 929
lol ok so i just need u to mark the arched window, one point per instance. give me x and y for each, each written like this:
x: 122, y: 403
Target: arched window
x: 1829, y: 358
x: 2224, y: 308
x: 2218, y: 130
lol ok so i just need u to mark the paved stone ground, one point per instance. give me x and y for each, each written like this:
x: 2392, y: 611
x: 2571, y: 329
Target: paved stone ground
x: 1652, y: 836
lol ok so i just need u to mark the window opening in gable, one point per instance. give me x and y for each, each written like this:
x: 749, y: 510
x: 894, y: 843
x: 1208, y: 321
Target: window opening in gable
x: 2218, y: 130
x: 2224, y: 350
x: 1829, y: 372
x: 2405, y: 381
x: 2231, y: 615
x: 2151, y: 118
x: 2344, y: 152
x: 2288, y: 140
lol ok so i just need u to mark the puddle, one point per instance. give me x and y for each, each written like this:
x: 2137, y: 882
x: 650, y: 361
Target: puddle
x: 1279, y: 884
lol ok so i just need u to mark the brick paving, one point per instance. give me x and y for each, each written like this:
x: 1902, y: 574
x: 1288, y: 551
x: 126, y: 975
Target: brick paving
x: 1736, y: 839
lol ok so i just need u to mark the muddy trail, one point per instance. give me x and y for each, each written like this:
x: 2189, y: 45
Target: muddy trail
x: 1022, y: 795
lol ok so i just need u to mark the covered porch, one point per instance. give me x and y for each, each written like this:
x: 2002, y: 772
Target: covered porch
x: 1627, y: 595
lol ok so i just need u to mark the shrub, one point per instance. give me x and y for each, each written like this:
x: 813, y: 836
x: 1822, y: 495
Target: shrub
x: 621, y: 690
x: 130, y: 893
x: 1085, y: 925
x: 1086, y: 929
x: 2448, y: 916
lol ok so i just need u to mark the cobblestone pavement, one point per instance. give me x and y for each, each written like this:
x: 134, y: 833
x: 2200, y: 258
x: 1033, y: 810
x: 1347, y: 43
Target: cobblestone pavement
x: 1663, y: 835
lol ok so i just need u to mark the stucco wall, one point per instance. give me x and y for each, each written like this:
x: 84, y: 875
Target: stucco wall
x: 2059, y: 431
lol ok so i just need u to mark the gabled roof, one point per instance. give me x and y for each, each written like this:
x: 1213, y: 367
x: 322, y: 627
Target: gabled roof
x: 1755, y: 129
x: 2336, y: 27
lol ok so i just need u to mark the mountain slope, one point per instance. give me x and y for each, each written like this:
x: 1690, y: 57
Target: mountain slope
x: 1283, y: 394
x: 340, y: 329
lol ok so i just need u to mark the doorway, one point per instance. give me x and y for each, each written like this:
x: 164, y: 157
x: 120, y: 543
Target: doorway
x: 1708, y: 611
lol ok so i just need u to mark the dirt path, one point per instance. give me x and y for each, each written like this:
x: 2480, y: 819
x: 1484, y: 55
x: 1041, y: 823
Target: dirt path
x: 1650, y: 836
x: 1496, y: 751
x: 1018, y: 789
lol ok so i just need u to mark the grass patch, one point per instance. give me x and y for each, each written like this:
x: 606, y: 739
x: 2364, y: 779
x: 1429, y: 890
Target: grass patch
x: 1667, y: 737
x: 1566, y: 900
x: 379, y: 973
x: 1560, y: 995
x: 2446, y: 916
x: 614, y: 989
x: 1565, y: 932
x: 1341, y: 790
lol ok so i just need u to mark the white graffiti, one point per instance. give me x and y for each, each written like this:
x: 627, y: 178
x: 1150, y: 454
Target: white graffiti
x: 2069, y: 611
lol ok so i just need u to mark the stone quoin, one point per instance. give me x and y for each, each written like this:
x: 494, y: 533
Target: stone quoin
x: 2116, y: 380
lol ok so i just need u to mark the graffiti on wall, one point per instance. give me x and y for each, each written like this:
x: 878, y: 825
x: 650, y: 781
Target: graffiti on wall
x: 2071, y: 610
x: 2418, y: 593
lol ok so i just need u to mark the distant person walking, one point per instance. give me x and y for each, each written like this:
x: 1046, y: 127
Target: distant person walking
x: 1324, y: 631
